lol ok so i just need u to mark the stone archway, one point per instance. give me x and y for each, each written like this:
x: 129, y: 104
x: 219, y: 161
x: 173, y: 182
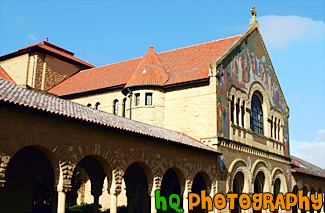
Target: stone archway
x: 312, y: 191
x: 30, y: 182
x: 276, y: 189
x: 137, y: 188
x: 172, y: 183
x: 305, y: 193
x: 319, y: 193
x: 295, y: 191
x: 201, y: 182
x: 237, y: 188
x: 94, y: 169
x: 259, y: 185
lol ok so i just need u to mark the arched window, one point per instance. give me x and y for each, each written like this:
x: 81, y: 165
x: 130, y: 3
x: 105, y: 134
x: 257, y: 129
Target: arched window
x: 272, y: 127
x: 243, y: 114
x: 97, y: 105
x: 279, y: 126
x: 256, y: 115
x: 232, y: 107
x: 124, y: 107
x: 237, y: 111
x: 88, y: 105
x: 115, y: 107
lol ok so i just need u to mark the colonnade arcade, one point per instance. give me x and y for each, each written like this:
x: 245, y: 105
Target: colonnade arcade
x: 307, y: 191
x: 34, y: 178
x: 258, y: 179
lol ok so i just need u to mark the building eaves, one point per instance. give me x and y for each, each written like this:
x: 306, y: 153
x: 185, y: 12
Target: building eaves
x: 49, y: 49
x: 304, y: 167
x: 13, y: 94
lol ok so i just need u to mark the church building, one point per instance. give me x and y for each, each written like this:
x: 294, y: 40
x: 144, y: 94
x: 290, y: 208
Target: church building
x: 210, y: 116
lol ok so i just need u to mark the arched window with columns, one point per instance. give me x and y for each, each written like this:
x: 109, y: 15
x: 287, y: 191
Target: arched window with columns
x: 256, y: 114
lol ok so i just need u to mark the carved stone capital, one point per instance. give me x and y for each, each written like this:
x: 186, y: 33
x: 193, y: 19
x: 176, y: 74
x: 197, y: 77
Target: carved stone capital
x: 157, y: 182
x: 67, y: 171
x: 116, y: 182
x: 4, y: 160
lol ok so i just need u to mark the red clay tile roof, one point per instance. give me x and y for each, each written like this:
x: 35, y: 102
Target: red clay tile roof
x: 150, y: 71
x: 16, y: 95
x: 182, y: 65
x: 57, y: 50
x: 301, y: 166
x: 4, y: 75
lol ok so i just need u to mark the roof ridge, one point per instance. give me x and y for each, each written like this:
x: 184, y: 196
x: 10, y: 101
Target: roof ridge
x: 164, y: 52
x: 110, y: 64
x: 193, y: 45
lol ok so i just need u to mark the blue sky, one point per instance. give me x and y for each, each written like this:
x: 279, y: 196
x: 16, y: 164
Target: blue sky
x: 104, y: 32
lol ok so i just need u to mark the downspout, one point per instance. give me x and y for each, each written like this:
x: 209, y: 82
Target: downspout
x: 130, y: 96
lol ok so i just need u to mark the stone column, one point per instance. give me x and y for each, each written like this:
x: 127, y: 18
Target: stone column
x: 322, y: 209
x: 213, y: 192
x: 64, y: 185
x: 96, y: 191
x: 113, y: 206
x: 248, y: 118
x: 115, y: 189
x: 61, y: 200
x: 155, y: 186
x: 187, y: 189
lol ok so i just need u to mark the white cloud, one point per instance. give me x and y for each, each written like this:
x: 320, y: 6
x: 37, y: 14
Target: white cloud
x: 312, y: 152
x: 32, y: 37
x: 19, y: 19
x: 321, y: 136
x: 280, y: 31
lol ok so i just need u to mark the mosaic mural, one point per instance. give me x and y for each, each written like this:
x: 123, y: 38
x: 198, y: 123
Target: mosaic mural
x: 248, y: 64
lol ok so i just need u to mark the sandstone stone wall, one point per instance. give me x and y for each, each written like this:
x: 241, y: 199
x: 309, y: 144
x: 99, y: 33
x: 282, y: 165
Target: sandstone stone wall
x: 17, y: 68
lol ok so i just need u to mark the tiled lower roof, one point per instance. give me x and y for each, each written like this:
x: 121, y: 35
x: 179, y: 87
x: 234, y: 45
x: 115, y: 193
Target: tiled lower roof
x: 13, y: 94
x: 301, y: 166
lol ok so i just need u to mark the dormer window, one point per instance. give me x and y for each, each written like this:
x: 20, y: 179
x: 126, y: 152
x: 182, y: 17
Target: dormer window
x: 148, y: 98
x: 256, y: 115
x: 89, y: 105
x: 115, y: 107
x: 97, y: 105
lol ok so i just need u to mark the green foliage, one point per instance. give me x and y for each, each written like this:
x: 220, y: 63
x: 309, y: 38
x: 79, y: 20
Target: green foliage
x: 84, y: 207
x: 89, y: 208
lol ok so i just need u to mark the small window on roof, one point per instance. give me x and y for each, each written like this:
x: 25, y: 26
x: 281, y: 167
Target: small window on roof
x: 88, y: 105
x: 124, y: 107
x: 115, y: 107
x: 137, y: 99
x: 97, y: 105
x: 148, y: 98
